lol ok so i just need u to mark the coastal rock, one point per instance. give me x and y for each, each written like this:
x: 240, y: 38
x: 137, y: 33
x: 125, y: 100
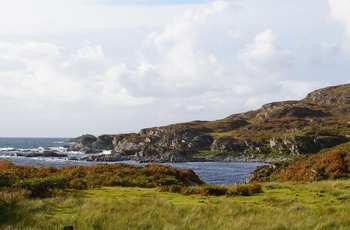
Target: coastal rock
x: 227, y: 144
x: 262, y: 173
x: 128, y: 144
x: 320, y: 120
x: 103, y: 142
x: 84, y: 143
x: 46, y: 153
x: 105, y: 158
x: 90, y: 144
x: 82, y: 138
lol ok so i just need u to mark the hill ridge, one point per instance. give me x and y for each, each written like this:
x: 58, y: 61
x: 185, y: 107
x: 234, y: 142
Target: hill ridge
x: 320, y: 120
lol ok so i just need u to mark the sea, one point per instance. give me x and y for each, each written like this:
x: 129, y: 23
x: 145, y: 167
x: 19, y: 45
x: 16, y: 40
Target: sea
x: 16, y: 149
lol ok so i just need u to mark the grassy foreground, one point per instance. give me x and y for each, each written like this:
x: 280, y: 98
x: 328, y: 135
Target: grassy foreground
x: 309, y: 205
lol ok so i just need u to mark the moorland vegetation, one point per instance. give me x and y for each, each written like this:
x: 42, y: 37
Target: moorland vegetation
x: 328, y: 164
x: 288, y: 199
x: 310, y: 190
x: 42, y: 182
x: 287, y: 205
x: 276, y: 130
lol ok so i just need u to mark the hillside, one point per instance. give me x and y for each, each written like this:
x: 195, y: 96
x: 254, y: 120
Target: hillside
x: 328, y: 164
x: 320, y: 120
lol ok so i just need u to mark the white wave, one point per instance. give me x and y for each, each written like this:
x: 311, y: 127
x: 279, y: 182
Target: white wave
x: 106, y: 152
x: 59, y: 149
x: 75, y: 153
x: 7, y: 149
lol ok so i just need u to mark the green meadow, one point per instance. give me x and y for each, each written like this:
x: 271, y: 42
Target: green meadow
x: 288, y: 205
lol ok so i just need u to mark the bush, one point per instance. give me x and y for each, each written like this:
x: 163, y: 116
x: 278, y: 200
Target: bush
x: 45, y: 182
x: 244, y: 190
x: 329, y: 164
x: 44, y: 187
x: 255, y: 188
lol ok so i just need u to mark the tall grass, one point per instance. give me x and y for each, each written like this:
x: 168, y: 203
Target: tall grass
x: 316, y: 205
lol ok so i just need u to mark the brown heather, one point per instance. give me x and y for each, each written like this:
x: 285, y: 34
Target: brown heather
x: 329, y: 164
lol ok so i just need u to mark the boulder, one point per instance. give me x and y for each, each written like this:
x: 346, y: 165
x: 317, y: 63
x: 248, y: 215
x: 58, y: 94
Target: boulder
x: 46, y: 153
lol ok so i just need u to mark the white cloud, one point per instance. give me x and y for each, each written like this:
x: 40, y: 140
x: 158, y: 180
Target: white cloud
x: 93, y: 53
x: 45, y: 79
x: 262, y: 57
x: 28, y: 51
x: 112, y: 90
x: 57, y: 17
x: 340, y: 10
x: 182, y: 63
x: 106, y: 67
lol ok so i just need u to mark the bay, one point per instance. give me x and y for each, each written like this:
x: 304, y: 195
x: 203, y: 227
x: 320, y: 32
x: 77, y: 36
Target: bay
x: 209, y: 172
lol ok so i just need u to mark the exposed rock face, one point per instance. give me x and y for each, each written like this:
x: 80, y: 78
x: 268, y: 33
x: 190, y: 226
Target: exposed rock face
x: 82, y: 138
x: 46, y: 153
x: 319, y: 121
x: 334, y: 95
x: 84, y: 143
x: 228, y: 144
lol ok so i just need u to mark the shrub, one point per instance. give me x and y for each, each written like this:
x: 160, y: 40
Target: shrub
x: 214, y: 190
x: 44, y: 187
x: 244, y: 189
x: 331, y: 163
x: 255, y: 188
x: 45, y: 182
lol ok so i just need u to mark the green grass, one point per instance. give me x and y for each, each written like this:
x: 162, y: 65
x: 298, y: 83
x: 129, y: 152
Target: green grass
x: 206, y: 153
x: 315, y: 205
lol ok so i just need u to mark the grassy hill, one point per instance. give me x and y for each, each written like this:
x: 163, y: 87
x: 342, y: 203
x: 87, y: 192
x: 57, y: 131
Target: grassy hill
x: 278, y: 129
x: 328, y: 164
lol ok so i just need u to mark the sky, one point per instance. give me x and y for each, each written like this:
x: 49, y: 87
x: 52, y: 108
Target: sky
x: 71, y: 67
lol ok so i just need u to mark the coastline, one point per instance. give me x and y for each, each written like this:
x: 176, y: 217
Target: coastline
x: 174, y: 159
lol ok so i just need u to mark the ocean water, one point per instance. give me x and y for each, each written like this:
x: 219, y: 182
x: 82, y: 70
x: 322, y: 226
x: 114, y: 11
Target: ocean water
x: 209, y: 172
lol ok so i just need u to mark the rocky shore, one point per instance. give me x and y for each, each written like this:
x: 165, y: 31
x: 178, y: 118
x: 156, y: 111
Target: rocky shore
x: 114, y: 157
x: 319, y: 121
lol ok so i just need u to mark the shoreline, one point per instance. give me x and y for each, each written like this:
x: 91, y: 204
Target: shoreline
x: 217, y: 159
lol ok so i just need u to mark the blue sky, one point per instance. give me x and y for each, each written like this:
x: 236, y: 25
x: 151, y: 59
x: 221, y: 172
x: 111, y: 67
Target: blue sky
x: 87, y: 66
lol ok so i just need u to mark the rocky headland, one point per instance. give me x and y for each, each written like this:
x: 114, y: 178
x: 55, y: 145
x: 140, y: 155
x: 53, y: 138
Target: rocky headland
x: 276, y: 130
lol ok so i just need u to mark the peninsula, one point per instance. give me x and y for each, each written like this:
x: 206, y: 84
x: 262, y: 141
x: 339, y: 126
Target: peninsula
x: 278, y: 129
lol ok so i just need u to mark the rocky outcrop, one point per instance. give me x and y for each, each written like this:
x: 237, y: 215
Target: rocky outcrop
x: 227, y: 144
x: 319, y: 121
x: 82, y: 138
x: 83, y: 143
x: 46, y: 153
x: 332, y: 96
x: 90, y: 144
x: 165, y: 146
x: 305, y: 144
x: 294, y: 109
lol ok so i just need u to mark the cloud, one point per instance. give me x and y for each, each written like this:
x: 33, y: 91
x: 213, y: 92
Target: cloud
x: 262, y: 57
x: 340, y: 11
x: 181, y: 64
x: 93, y: 53
x: 47, y: 75
x: 28, y: 51
x: 97, y: 65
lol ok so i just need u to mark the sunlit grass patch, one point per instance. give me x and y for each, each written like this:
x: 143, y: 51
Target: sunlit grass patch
x: 290, y: 205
